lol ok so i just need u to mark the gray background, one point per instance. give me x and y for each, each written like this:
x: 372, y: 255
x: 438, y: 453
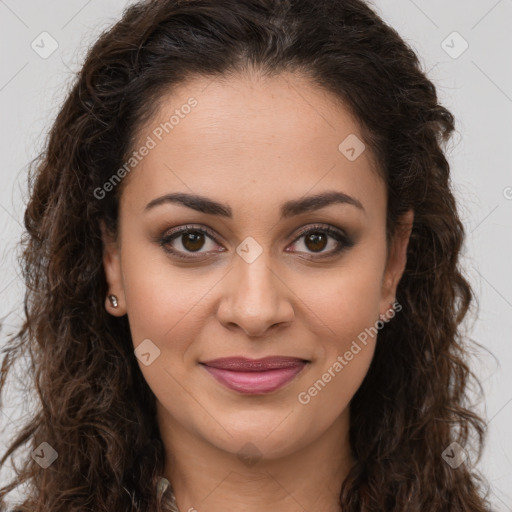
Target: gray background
x: 475, y: 85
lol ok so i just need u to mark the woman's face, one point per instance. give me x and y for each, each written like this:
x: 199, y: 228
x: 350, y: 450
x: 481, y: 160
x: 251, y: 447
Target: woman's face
x: 248, y: 157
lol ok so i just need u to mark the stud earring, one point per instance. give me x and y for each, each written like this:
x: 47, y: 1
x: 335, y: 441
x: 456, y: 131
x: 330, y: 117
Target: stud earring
x: 388, y: 315
x: 113, y: 300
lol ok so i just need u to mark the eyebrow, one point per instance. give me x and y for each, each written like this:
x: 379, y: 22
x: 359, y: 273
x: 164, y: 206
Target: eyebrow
x: 288, y: 209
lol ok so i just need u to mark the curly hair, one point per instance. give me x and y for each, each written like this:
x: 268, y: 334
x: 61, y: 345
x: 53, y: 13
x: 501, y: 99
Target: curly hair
x: 94, y: 407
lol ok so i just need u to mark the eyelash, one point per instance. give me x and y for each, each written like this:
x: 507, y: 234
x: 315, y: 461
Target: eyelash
x: 343, y: 240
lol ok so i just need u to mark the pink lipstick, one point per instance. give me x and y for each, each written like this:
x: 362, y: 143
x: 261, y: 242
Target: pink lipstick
x: 254, y: 376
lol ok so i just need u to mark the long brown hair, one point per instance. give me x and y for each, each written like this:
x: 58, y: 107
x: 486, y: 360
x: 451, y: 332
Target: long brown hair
x: 95, y: 409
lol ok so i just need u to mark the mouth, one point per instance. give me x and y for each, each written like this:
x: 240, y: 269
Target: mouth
x: 255, y: 376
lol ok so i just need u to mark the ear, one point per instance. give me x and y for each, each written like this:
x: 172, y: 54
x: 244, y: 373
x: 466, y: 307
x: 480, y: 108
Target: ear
x: 113, y: 272
x: 397, y: 259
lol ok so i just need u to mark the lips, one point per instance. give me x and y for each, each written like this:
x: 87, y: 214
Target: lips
x: 254, y: 376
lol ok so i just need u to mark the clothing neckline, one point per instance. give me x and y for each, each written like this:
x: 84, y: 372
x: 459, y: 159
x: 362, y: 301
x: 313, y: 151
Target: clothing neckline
x: 165, y: 495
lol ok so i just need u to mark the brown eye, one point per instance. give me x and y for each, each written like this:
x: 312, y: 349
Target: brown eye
x: 316, y: 241
x: 189, y: 240
x: 317, y: 238
x: 193, y: 240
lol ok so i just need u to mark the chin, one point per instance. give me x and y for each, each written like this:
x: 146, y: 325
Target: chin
x: 273, y: 437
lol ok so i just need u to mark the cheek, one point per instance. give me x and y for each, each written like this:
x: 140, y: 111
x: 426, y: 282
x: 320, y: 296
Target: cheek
x: 345, y: 301
x: 348, y: 312
x: 165, y: 306
x: 162, y: 302
x: 346, y: 304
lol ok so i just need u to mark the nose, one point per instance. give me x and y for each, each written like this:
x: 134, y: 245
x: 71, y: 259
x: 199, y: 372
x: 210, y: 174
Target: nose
x: 255, y: 298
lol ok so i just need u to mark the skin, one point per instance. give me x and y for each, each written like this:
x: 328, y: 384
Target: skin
x: 253, y: 143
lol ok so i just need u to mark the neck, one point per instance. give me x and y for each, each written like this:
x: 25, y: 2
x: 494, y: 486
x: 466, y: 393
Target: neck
x: 205, y: 477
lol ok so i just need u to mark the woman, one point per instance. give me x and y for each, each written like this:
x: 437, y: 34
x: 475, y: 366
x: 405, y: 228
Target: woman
x: 242, y: 267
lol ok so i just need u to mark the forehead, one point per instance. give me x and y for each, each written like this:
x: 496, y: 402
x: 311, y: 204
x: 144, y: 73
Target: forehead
x: 253, y: 138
